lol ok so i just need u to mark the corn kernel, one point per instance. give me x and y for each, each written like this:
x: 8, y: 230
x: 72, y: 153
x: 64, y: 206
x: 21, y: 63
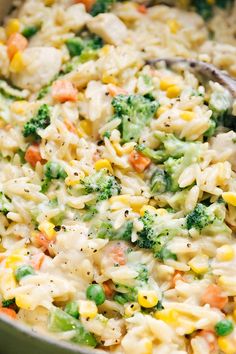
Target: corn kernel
x: 125, y: 149
x: 174, y: 26
x: 147, y: 298
x: 162, y: 110
x: 19, y: 107
x: 148, y: 346
x: 12, y: 26
x: 103, y: 163
x: 173, y: 91
x: 105, y: 50
x: 148, y: 208
x: 85, y: 125
x: 162, y: 211
x: 132, y: 309
x: 109, y: 79
x: 124, y: 198
x: 88, y: 309
x: 17, y: 64
x: 49, y: 2
x: 230, y: 198
x: 226, y: 345
x: 169, y: 316
x: 15, y: 258
x: 167, y: 82
x: 199, y: 264
x: 47, y: 228
x: 23, y: 301
x: 225, y: 253
x: 187, y: 115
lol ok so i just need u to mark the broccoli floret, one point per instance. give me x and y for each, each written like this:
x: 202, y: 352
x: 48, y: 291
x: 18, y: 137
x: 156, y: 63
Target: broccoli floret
x: 101, y: 6
x: 105, y: 230
x: 159, y: 181
x: 52, y: 170
x: 125, y: 294
x: 203, y: 8
x: 220, y: 103
x: 84, y: 48
x: 101, y: 183
x: 8, y: 303
x: 158, y: 231
x: 90, y: 212
x: 40, y: 121
x: 142, y: 273
x: 170, y: 146
x: 199, y: 217
x: 135, y: 112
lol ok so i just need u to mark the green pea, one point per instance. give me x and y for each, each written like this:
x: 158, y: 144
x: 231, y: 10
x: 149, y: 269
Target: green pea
x: 96, y: 293
x: 30, y: 31
x: 23, y: 271
x: 72, y: 309
x: 224, y: 327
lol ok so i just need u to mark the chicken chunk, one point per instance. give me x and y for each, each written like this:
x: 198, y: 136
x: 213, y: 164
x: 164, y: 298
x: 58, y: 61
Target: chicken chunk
x: 109, y: 27
x: 41, y: 66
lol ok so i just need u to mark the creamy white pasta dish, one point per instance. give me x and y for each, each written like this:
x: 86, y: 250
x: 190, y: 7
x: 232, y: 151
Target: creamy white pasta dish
x: 118, y: 174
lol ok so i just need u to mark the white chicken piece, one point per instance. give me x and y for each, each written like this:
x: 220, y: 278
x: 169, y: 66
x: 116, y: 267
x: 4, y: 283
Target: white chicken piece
x: 109, y: 27
x: 41, y: 66
x: 225, y: 146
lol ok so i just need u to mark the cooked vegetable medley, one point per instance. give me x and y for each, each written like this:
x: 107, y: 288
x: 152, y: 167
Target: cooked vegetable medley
x: 118, y: 176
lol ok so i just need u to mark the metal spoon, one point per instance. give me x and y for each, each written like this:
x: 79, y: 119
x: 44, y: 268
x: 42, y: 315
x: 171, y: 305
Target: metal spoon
x: 206, y: 70
x: 5, y: 6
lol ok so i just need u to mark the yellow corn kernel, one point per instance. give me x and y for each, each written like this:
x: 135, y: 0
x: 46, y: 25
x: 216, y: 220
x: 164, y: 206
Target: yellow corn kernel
x: 147, y: 298
x: 125, y: 149
x: 109, y: 79
x: 162, y: 211
x: 148, y: 208
x: 174, y: 26
x: 169, y: 316
x: 16, y: 257
x: 47, y: 228
x: 12, y: 26
x: 19, y: 107
x: 230, y: 198
x: 132, y: 309
x: 173, y: 91
x: 167, y: 82
x: 106, y: 49
x: 148, y: 346
x: 225, y: 253
x: 88, y: 309
x: 124, y: 198
x: 162, y: 110
x: 17, y: 64
x: 7, y: 283
x: 226, y: 345
x: 199, y: 264
x: 85, y: 125
x: 49, y: 2
x: 187, y: 115
x: 23, y: 301
x: 103, y: 163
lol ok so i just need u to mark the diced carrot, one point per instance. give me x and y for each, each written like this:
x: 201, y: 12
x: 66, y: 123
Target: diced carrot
x: 116, y: 90
x: 42, y: 241
x: 107, y: 288
x: 9, y: 312
x: 70, y: 126
x: 142, y: 9
x: 177, y: 276
x: 138, y: 161
x: 117, y: 253
x: 15, y: 43
x: 63, y: 91
x: 37, y: 260
x: 214, y: 297
x: 32, y: 155
x: 210, y: 338
x: 87, y: 3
